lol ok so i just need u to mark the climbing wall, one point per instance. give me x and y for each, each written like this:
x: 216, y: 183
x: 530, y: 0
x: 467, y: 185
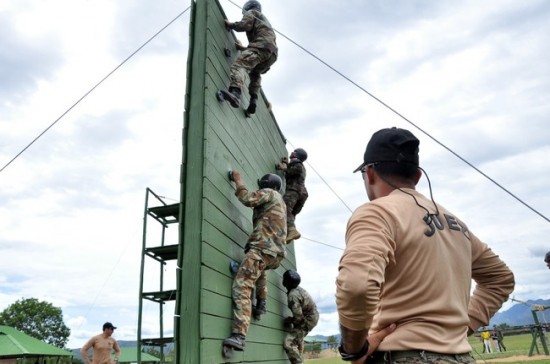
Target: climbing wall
x: 214, y: 225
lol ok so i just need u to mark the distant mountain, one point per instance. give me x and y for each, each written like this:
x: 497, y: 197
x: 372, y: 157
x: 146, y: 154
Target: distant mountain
x: 123, y: 344
x: 520, y: 314
x: 322, y: 337
x: 127, y: 343
x: 517, y: 315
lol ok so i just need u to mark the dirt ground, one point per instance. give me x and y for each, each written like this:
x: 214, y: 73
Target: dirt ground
x: 332, y: 354
x: 514, y: 359
x: 327, y: 353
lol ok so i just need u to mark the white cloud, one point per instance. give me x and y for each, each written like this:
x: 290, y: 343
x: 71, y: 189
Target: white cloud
x: 473, y: 75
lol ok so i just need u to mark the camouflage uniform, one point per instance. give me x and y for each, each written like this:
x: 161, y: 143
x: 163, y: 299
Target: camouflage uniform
x: 296, y: 192
x: 305, y: 318
x: 419, y: 357
x: 500, y: 340
x: 265, y: 250
x: 260, y: 54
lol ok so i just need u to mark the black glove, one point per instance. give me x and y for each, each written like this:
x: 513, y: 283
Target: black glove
x: 288, y: 321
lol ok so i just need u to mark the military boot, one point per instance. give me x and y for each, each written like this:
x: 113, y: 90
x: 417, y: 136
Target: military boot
x: 252, y: 106
x: 236, y: 341
x: 233, y: 96
x: 259, y: 309
x: 292, y: 234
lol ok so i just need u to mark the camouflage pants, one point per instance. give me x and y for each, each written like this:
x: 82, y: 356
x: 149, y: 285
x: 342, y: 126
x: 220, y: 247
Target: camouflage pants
x: 419, y: 357
x: 251, y: 273
x: 294, y: 344
x: 294, y: 202
x: 254, y: 62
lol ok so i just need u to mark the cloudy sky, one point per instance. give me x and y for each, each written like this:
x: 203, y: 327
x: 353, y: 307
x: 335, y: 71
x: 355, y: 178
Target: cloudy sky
x: 471, y: 76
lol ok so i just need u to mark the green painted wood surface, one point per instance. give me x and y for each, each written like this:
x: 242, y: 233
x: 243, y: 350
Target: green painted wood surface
x: 215, y: 225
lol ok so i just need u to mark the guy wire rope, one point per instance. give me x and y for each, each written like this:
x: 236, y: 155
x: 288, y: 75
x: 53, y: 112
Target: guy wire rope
x: 91, y: 90
x: 409, y: 121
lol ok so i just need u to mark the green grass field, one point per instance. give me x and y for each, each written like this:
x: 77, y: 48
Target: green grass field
x: 518, y: 345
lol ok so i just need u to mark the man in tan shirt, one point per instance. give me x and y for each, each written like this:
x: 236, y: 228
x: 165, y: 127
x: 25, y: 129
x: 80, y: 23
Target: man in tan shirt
x: 103, y: 346
x: 404, y: 280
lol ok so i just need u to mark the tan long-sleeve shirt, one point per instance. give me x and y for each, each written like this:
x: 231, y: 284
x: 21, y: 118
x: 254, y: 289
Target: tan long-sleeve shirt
x: 398, y: 269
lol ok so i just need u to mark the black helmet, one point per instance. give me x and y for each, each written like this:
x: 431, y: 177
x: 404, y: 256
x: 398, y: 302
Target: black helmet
x: 270, y: 181
x: 252, y: 4
x: 291, y: 279
x: 300, y: 154
x: 547, y: 257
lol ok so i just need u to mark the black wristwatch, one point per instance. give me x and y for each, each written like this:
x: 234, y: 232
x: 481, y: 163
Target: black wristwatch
x: 350, y: 357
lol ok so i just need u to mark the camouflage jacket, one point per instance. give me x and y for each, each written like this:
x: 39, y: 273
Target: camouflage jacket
x: 258, y: 30
x: 304, y: 309
x: 268, y: 220
x: 295, y: 176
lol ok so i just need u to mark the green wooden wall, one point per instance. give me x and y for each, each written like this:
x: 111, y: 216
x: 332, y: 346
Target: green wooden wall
x: 214, y: 224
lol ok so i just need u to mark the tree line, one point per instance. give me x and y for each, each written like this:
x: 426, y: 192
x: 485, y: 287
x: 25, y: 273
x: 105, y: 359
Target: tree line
x: 39, y: 319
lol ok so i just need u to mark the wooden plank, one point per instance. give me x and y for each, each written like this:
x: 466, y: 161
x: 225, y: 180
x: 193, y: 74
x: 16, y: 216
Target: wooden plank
x: 219, y: 305
x: 219, y: 250
x: 262, y: 343
x: 228, y: 224
x: 249, y: 134
x: 254, y: 353
x: 214, y: 224
x: 187, y: 305
x: 226, y: 155
x: 217, y: 278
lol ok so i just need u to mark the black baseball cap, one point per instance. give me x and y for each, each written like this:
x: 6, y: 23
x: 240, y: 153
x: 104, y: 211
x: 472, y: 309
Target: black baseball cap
x: 108, y: 325
x: 391, y: 145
